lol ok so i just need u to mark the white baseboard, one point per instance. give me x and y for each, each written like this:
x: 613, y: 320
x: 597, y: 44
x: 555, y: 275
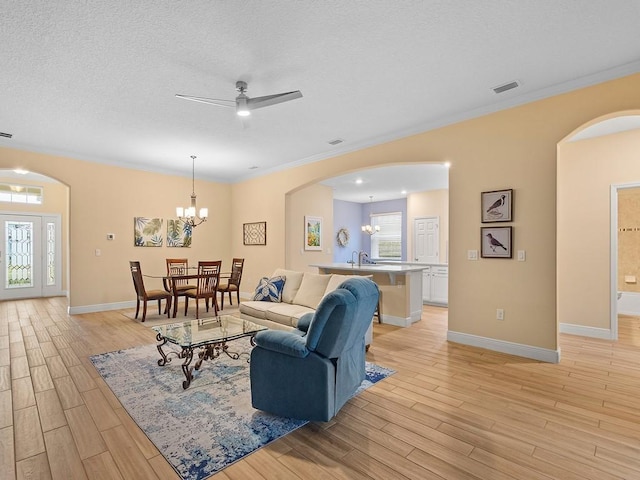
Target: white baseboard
x: 593, y: 332
x: 520, y: 350
x: 101, y: 307
x: 397, y: 321
x: 629, y: 303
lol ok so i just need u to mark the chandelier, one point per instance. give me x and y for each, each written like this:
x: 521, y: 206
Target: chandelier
x: 368, y: 229
x: 188, y: 215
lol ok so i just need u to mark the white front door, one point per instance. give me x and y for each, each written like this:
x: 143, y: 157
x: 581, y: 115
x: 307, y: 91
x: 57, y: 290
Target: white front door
x: 29, y: 256
x: 426, y: 243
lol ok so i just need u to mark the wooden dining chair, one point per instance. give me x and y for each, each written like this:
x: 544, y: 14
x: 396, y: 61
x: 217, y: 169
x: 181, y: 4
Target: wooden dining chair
x: 143, y: 295
x: 178, y: 266
x: 207, y: 287
x: 233, y: 284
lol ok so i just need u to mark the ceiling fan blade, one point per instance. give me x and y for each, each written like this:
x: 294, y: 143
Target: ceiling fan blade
x: 268, y: 100
x: 209, y: 101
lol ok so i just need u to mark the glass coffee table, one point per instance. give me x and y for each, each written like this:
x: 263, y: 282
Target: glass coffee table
x: 209, y: 335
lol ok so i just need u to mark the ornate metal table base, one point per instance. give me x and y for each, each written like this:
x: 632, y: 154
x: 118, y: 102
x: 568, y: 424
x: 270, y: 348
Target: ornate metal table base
x: 207, y: 352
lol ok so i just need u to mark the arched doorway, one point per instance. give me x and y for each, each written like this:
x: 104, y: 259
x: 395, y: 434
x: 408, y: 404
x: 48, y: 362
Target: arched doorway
x: 595, y: 163
x: 33, y: 235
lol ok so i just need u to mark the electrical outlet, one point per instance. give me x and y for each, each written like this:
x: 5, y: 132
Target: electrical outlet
x: 500, y: 314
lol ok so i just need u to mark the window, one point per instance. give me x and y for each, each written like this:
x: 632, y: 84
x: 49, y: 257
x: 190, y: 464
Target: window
x: 387, y: 243
x: 20, y: 194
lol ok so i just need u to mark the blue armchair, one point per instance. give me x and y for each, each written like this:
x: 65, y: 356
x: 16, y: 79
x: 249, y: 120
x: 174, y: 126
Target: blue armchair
x: 310, y: 373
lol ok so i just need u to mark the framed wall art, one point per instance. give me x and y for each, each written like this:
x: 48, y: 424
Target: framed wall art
x: 496, y: 242
x: 147, y: 232
x: 312, y: 233
x: 254, y: 233
x: 497, y: 206
x: 179, y: 233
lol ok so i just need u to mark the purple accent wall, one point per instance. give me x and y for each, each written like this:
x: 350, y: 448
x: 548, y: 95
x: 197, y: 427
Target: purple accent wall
x: 346, y: 214
x: 353, y: 215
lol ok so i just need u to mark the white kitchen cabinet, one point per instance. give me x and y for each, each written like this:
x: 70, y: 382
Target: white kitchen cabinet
x: 440, y: 285
x: 435, y: 285
x: 426, y: 285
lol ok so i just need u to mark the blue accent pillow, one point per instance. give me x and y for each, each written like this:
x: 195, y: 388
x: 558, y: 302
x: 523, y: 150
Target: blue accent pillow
x: 270, y: 289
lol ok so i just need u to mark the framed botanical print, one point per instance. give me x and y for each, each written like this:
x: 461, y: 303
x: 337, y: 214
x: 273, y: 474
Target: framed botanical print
x: 497, y: 206
x: 147, y: 232
x: 179, y: 233
x: 312, y: 233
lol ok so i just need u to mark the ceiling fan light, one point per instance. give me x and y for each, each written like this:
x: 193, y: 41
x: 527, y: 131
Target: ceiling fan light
x: 242, y: 109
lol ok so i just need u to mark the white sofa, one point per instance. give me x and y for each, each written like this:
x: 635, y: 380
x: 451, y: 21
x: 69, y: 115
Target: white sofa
x: 301, y: 294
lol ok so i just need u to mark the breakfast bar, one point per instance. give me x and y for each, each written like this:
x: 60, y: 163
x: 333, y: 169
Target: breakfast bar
x: 400, y: 288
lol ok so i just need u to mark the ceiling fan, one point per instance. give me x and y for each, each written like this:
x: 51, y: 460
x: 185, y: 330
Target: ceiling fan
x: 243, y: 103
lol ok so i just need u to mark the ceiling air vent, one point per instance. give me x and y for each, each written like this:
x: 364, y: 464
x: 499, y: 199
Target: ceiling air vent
x: 5, y: 135
x: 335, y: 141
x: 505, y: 87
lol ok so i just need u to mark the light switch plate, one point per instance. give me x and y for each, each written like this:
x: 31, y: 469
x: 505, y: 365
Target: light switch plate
x: 472, y: 254
x: 522, y: 255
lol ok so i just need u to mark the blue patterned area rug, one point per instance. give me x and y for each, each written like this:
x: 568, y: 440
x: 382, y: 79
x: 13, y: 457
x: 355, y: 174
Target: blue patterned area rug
x: 210, y: 425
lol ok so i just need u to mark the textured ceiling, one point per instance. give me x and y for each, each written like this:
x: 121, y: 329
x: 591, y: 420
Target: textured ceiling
x: 97, y: 80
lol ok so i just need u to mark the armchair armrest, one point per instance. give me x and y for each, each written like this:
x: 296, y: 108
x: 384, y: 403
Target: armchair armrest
x: 283, y: 342
x: 304, y: 322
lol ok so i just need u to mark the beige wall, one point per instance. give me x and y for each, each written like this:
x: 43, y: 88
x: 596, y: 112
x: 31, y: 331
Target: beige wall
x: 629, y: 236
x: 315, y: 200
x: 55, y: 198
x: 586, y: 171
x: 105, y: 199
x: 434, y: 203
x: 515, y: 148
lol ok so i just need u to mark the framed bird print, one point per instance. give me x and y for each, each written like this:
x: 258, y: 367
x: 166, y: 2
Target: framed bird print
x: 497, y: 206
x: 496, y: 242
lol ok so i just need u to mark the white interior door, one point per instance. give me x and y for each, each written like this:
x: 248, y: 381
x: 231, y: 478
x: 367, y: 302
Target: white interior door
x: 426, y: 244
x: 29, y: 256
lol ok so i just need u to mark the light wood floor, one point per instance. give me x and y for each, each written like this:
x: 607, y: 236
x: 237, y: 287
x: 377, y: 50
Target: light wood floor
x: 450, y: 411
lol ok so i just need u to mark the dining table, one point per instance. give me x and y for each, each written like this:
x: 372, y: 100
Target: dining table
x: 169, y: 282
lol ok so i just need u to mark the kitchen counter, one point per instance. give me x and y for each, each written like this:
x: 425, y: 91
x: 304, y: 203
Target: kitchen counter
x: 400, y: 288
x: 393, y: 262
x: 373, y: 267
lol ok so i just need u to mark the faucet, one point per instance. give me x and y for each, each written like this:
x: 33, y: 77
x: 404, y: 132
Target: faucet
x: 353, y: 262
x: 362, y: 255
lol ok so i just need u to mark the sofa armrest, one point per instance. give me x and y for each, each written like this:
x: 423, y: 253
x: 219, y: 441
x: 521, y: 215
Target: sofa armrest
x: 283, y: 342
x: 304, y: 322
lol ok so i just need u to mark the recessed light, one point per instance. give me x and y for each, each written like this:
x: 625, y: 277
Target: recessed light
x: 20, y: 171
x: 358, y: 181
x: 447, y: 164
x: 403, y: 192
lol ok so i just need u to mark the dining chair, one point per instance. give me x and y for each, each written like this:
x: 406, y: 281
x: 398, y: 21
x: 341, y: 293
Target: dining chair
x: 207, y: 287
x: 233, y: 284
x: 143, y: 295
x: 178, y: 266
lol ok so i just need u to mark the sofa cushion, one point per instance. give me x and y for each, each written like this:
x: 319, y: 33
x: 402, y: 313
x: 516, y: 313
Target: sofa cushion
x: 335, y: 281
x: 286, y: 314
x: 270, y: 289
x: 311, y: 289
x: 292, y: 283
x: 255, y: 309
